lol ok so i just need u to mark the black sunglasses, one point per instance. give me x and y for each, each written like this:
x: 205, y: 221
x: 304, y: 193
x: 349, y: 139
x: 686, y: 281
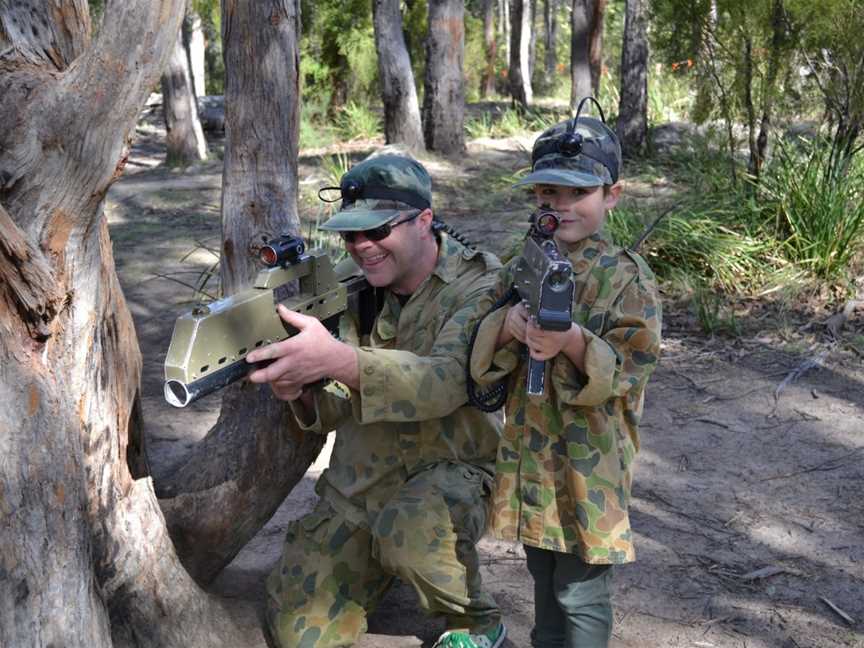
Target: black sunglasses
x: 378, y: 233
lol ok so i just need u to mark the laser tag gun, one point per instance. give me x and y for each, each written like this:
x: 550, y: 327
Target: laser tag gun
x: 543, y: 279
x: 209, y: 345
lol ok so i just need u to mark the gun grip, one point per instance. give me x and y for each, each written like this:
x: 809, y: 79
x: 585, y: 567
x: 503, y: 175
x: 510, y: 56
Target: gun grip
x: 536, y: 377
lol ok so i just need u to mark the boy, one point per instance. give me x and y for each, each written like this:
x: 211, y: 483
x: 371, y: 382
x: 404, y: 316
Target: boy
x: 563, y: 470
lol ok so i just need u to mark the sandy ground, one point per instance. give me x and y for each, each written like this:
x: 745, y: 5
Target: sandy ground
x: 748, y: 504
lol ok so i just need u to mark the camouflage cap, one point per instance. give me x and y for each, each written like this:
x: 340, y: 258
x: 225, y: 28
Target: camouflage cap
x: 376, y: 190
x: 586, y: 154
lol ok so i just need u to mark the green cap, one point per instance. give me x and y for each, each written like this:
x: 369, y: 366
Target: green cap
x: 375, y: 191
x: 577, y: 153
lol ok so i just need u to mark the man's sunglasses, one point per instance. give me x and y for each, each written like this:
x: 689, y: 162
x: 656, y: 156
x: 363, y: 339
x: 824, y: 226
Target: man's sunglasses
x: 378, y: 233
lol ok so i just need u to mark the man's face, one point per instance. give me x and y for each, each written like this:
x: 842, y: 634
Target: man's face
x: 582, y: 209
x: 392, y: 261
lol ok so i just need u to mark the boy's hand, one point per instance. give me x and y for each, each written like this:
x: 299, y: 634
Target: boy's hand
x: 545, y: 345
x: 514, y: 325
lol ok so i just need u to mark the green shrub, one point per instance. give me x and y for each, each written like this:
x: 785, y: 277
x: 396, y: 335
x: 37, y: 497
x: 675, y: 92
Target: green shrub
x: 818, y: 214
x: 357, y: 121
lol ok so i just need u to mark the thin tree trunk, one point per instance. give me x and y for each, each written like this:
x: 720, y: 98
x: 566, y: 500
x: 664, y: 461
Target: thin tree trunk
x: 749, y: 108
x: 444, y: 97
x: 401, y: 109
x: 595, y: 46
x: 193, y: 40
x: 532, y: 40
x: 185, y: 141
x: 490, y: 48
x: 550, y: 30
x: 633, y: 107
x: 505, y: 27
x: 519, y: 73
x: 84, y: 551
x: 237, y: 476
x: 580, y: 64
x: 769, y: 88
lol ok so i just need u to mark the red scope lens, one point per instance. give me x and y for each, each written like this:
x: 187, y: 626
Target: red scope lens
x: 268, y: 256
x: 547, y: 222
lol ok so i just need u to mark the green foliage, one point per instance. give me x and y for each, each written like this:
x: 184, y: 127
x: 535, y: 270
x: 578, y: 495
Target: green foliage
x: 357, y: 121
x: 818, y: 214
x: 712, y: 312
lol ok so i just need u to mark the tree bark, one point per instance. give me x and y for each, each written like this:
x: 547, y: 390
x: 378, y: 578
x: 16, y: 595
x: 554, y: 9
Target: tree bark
x: 490, y: 48
x: 184, y: 140
x: 236, y: 477
x: 769, y: 89
x: 633, y: 107
x: 519, y: 73
x: 550, y: 30
x: 193, y: 40
x: 444, y: 97
x: 84, y: 551
x: 580, y: 43
x: 401, y: 109
x: 595, y: 43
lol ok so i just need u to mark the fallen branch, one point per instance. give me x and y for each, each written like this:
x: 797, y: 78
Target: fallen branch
x: 825, y: 466
x: 848, y: 619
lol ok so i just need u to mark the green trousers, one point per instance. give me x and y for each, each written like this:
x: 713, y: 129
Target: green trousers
x: 332, y: 572
x: 572, y: 608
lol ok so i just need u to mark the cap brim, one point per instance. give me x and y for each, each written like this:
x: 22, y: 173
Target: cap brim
x: 563, y: 177
x: 358, y: 220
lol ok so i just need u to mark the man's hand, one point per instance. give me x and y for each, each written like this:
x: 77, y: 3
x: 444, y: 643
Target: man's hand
x: 545, y: 345
x: 514, y: 326
x: 304, y: 358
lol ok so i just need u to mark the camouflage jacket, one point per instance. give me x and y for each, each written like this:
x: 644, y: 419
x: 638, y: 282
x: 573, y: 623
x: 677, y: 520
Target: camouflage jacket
x: 410, y: 410
x: 564, y: 470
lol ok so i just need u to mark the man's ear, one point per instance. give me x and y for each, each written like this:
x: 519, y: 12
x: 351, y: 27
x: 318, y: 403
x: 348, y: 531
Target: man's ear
x: 425, y: 218
x: 612, y: 194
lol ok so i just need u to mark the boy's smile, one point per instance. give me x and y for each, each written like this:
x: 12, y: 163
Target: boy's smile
x: 582, y: 209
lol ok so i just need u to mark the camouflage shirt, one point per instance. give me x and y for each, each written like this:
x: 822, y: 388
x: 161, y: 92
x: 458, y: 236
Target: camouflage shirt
x: 564, y: 465
x: 410, y: 409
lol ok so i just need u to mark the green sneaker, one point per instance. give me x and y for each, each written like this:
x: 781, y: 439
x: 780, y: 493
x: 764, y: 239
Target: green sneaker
x: 454, y: 639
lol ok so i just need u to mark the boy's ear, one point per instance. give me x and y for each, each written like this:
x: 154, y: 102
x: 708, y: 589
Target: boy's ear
x: 612, y: 194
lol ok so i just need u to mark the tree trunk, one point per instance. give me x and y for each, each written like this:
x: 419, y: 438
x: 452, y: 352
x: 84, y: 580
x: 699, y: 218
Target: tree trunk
x: 444, y: 97
x: 769, y: 88
x: 595, y: 43
x: 401, y: 109
x: 185, y: 138
x: 519, y: 73
x: 193, y: 41
x: 490, y: 48
x: 532, y: 40
x: 84, y: 551
x: 504, y: 21
x: 633, y: 107
x: 238, y: 475
x: 580, y: 43
x: 550, y: 30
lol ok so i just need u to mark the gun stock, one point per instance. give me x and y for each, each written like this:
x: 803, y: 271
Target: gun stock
x: 210, y: 343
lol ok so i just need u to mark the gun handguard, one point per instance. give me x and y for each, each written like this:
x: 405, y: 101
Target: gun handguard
x: 543, y: 279
x: 209, y: 345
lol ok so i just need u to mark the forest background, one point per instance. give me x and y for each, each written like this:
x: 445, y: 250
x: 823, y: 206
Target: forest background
x: 741, y: 123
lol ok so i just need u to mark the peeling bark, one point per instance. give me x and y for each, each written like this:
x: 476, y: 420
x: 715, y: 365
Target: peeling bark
x: 444, y: 98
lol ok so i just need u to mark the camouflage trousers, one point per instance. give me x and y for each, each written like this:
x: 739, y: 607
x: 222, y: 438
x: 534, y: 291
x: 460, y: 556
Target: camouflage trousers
x: 333, y: 573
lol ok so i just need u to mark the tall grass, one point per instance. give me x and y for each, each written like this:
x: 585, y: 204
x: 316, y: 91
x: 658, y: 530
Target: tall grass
x: 358, y: 121
x: 817, y: 213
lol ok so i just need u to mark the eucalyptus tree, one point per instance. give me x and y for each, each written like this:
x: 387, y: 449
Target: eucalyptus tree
x: 586, y: 48
x: 444, y: 95
x: 633, y: 105
x: 401, y: 109
x: 85, y: 553
x: 519, y: 71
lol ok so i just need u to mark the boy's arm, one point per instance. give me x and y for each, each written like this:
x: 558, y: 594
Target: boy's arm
x: 623, y: 358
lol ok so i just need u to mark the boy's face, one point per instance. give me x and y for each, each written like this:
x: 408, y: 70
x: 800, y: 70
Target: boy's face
x: 582, y: 209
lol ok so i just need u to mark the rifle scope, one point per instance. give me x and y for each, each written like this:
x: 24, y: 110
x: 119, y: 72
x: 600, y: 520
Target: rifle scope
x: 545, y: 221
x: 282, y: 251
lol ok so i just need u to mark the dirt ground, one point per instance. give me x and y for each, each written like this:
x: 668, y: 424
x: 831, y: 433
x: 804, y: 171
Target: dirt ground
x: 748, y: 503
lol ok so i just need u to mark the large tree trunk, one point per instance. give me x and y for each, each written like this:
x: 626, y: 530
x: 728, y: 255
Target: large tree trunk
x: 633, y: 108
x: 401, y: 109
x: 84, y: 551
x: 184, y: 140
x: 490, y: 48
x: 519, y: 73
x: 580, y: 43
x: 195, y: 44
x: 444, y: 98
x: 237, y: 476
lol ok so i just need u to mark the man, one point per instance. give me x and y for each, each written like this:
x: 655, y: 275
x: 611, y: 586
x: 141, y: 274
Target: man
x: 407, y: 489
